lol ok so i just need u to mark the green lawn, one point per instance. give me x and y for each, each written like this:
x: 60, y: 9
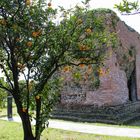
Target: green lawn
x: 13, y: 131
x: 3, y: 112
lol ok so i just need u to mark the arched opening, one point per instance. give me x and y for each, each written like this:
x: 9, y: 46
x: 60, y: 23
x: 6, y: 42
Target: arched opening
x: 132, y: 86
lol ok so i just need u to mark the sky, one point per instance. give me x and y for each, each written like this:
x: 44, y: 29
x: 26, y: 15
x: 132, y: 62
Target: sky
x: 131, y: 20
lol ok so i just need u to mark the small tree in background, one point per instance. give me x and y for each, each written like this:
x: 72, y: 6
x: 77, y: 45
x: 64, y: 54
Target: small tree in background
x: 34, y: 48
x: 128, y: 8
x: 3, y: 95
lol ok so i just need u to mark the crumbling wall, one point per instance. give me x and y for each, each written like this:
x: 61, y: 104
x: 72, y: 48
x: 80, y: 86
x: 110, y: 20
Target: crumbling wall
x: 121, y: 62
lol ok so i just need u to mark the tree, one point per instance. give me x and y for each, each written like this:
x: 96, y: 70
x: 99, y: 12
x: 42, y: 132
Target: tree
x: 34, y: 48
x: 128, y: 8
x: 3, y: 95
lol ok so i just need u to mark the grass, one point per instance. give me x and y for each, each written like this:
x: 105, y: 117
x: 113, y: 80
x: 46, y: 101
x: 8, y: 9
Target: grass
x: 10, y: 131
x: 13, y: 131
x: 3, y: 111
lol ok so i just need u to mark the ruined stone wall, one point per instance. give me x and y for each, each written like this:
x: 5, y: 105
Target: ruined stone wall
x: 120, y: 114
x: 113, y: 88
x: 130, y: 38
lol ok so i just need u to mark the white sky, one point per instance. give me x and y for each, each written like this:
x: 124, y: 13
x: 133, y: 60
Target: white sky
x: 131, y: 20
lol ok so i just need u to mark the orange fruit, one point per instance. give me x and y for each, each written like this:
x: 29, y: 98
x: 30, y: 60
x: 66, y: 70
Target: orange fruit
x: 34, y: 34
x: 28, y: 2
x: 66, y: 68
x: 37, y: 97
x: 49, y: 4
x: 24, y: 110
x: 101, y: 72
x: 82, y: 65
x: 83, y: 48
x: 88, y: 31
x: 29, y: 44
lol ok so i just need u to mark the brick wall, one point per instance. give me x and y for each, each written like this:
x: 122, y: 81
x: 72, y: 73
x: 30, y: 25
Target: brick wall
x: 130, y: 38
x: 113, y: 88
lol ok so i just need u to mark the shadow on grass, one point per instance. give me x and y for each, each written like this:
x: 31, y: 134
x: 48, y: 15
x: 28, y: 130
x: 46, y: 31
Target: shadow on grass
x: 2, y: 116
x: 134, y: 123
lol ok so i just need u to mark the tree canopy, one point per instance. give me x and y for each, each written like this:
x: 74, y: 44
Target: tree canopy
x: 34, y: 48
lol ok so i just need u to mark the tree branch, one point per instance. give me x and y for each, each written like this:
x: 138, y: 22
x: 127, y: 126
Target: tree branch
x: 5, y: 88
x: 7, y: 76
x: 127, y: 14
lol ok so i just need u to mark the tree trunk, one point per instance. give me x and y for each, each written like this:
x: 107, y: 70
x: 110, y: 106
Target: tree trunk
x: 38, y: 123
x: 28, y: 135
x: 26, y: 124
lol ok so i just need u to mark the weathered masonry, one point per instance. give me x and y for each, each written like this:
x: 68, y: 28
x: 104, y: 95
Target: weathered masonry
x: 119, y: 89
